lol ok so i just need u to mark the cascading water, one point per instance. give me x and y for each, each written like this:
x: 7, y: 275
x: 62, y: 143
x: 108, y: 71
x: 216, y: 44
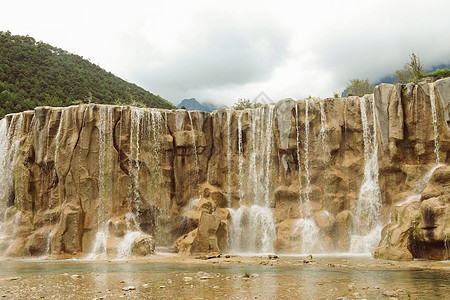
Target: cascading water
x: 229, y: 188
x: 306, y: 149
x: 9, y: 148
x: 252, y: 224
x: 99, y: 247
x: 367, y: 212
x: 305, y: 225
x: 435, y: 123
x: 194, y: 143
x: 323, y: 132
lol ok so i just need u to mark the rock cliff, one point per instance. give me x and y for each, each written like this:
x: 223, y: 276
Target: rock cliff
x: 314, y: 175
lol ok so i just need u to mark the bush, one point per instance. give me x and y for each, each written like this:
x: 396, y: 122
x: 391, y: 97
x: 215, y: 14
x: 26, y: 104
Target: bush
x: 439, y: 73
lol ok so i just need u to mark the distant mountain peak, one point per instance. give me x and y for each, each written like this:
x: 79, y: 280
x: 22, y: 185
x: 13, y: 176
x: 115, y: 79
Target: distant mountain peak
x: 193, y: 104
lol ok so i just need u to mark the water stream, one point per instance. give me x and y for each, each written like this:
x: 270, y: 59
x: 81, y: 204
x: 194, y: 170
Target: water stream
x: 367, y: 212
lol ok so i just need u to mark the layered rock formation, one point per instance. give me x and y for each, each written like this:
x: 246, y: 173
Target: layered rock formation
x: 299, y: 176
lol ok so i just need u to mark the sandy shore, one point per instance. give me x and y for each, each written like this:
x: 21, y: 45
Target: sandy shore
x: 225, y: 277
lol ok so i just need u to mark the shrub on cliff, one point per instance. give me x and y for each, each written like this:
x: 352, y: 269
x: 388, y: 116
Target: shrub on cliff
x: 359, y: 87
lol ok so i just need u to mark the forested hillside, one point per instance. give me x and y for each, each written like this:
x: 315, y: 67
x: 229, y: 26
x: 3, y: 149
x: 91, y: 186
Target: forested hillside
x: 35, y: 74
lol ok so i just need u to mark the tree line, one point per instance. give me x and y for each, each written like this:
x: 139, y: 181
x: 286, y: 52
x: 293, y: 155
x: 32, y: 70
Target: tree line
x: 33, y: 73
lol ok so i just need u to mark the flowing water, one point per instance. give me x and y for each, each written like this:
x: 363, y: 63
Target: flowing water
x: 252, y: 224
x: 367, y: 212
x: 435, y: 123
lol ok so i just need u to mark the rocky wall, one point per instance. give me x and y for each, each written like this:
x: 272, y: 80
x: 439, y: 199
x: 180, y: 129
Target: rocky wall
x: 314, y: 175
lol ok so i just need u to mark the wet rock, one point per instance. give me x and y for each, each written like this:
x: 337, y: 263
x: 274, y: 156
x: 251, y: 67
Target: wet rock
x: 203, y: 275
x: 390, y: 293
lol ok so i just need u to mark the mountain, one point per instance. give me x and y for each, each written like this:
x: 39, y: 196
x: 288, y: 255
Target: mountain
x: 193, y: 104
x: 37, y: 74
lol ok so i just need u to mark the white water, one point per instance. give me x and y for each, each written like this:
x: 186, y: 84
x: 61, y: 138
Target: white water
x: 9, y: 148
x: 310, y: 240
x: 252, y: 224
x: 435, y: 123
x: 367, y: 212
x: 241, y: 160
x: 252, y: 229
x: 195, y: 153
x: 136, y: 117
x: 323, y: 132
x: 306, y: 148
x: 229, y: 158
x: 300, y: 199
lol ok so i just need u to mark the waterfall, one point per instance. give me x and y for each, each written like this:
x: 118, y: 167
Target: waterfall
x: 134, y: 164
x: 241, y: 160
x: 306, y: 148
x: 298, y: 158
x: 323, y: 132
x: 228, y: 158
x: 252, y: 224
x: 366, y: 214
x: 9, y: 148
x: 195, y: 153
x: 105, y: 181
x: 435, y: 123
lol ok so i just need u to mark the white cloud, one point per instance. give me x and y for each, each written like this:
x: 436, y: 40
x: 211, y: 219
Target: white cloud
x: 222, y: 51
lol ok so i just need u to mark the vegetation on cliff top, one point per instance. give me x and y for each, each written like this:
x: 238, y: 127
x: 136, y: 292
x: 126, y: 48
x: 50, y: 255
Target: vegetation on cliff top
x: 36, y: 74
x: 412, y: 71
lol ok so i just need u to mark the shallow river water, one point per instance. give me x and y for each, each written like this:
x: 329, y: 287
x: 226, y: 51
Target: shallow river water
x: 225, y: 278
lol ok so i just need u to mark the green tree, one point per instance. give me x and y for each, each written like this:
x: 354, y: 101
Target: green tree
x: 359, y: 87
x: 412, y: 71
x: 243, y: 103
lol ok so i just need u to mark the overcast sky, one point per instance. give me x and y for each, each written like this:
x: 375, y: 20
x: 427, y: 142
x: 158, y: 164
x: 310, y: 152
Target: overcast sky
x: 219, y: 51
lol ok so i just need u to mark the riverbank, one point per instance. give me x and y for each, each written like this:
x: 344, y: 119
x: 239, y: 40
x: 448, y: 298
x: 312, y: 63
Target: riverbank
x: 225, y: 277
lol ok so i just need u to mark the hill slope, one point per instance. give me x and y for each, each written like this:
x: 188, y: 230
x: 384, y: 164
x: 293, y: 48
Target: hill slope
x: 34, y: 73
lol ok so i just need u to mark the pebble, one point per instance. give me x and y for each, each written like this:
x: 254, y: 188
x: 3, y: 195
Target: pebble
x: 169, y: 281
x: 76, y: 276
x: 342, y: 298
x: 390, y: 293
x: 145, y: 285
x: 128, y: 288
x: 203, y: 275
x: 162, y: 286
x: 186, y: 278
x: 351, y: 286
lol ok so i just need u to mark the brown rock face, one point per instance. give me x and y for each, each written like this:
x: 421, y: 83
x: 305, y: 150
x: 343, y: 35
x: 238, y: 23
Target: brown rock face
x: 295, y: 177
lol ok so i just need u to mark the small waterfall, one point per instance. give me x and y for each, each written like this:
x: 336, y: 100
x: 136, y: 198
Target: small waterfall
x: 105, y: 181
x: 298, y: 157
x: 241, y: 160
x: 366, y: 215
x: 252, y: 224
x: 306, y: 149
x: 323, y: 132
x: 252, y: 229
x: 197, y: 166
x: 310, y: 241
x: 229, y: 188
x: 135, y: 128
x: 435, y: 123
x: 99, y: 248
x: 309, y: 232
x: 9, y: 149
x: 420, y: 186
